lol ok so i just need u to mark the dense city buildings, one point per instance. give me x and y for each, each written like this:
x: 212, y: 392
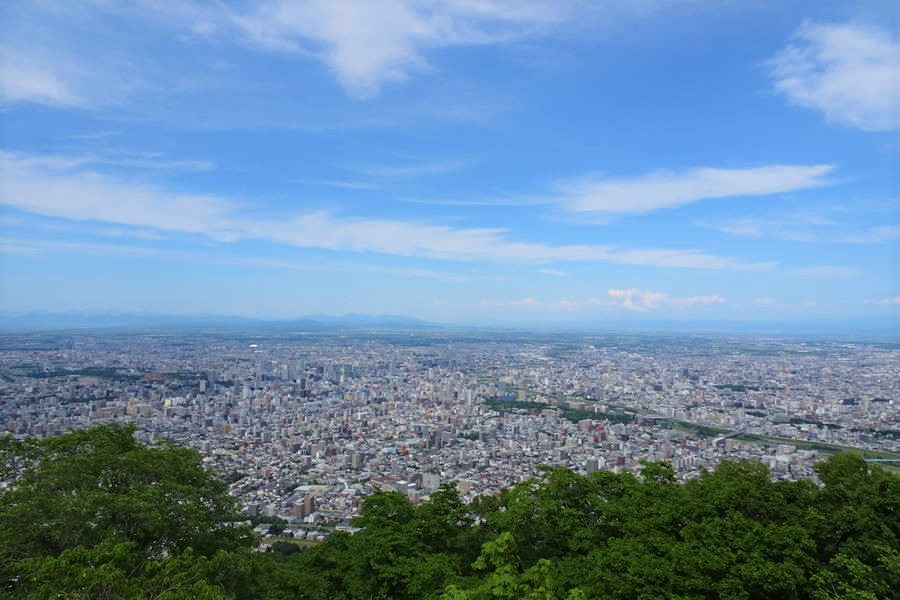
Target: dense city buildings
x: 303, y: 426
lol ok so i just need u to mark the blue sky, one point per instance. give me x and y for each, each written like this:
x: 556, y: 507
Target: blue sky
x: 477, y: 160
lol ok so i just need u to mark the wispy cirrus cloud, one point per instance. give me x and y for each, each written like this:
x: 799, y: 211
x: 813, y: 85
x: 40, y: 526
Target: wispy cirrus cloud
x: 154, y: 161
x: 49, y: 66
x: 33, y: 224
x: 795, y: 226
x: 93, y: 135
x: 411, y: 238
x: 667, y: 189
x: 848, y: 71
x: 53, y: 188
x: 46, y: 248
x: 411, y: 169
x: 827, y: 271
x: 824, y: 224
x: 343, y: 184
x: 873, y: 235
x: 603, y: 198
x: 510, y: 201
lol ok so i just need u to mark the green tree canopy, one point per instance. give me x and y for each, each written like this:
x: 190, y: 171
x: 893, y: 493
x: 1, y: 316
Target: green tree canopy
x: 95, y: 514
x: 732, y: 533
x: 92, y: 500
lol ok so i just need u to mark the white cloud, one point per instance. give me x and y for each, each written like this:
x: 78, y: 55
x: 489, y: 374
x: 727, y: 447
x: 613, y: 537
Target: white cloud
x: 668, y: 189
x: 643, y: 301
x: 55, y: 187
x: 22, y: 79
x: 849, y: 72
x: 367, y: 44
x: 634, y: 299
x: 45, y: 186
x: 894, y: 300
x: 34, y: 73
x: 50, y: 68
x: 827, y: 271
x: 553, y: 272
x: 765, y: 301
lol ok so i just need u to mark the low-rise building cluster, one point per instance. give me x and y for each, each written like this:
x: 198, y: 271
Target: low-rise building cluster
x: 303, y: 427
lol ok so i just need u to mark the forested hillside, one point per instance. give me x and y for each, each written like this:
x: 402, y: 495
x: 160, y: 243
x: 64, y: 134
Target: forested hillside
x: 94, y: 514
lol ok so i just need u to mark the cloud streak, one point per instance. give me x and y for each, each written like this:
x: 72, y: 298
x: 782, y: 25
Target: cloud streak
x: 607, y: 197
x: 44, y: 248
x: 416, y: 169
x: 829, y: 271
x: 52, y: 188
x: 808, y: 225
x: 796, y: 226
x: 666, y: 189
x: 133, y: 160
x: 49, y: 187
x: 874, y: 235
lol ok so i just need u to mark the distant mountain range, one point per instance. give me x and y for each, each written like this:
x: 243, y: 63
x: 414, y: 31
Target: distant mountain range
x: 102, y: 320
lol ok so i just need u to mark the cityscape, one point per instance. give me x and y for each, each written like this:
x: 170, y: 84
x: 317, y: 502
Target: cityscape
x: 449, y: 300
x: 303, y: 426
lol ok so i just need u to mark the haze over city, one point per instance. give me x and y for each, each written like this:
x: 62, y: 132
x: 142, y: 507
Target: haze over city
x: 458, y: 162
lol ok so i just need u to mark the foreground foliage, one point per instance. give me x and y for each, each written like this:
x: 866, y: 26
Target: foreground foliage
x: 93, y: 514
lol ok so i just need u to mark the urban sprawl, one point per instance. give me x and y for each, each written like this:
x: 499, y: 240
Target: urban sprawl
x: 303, y: 426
